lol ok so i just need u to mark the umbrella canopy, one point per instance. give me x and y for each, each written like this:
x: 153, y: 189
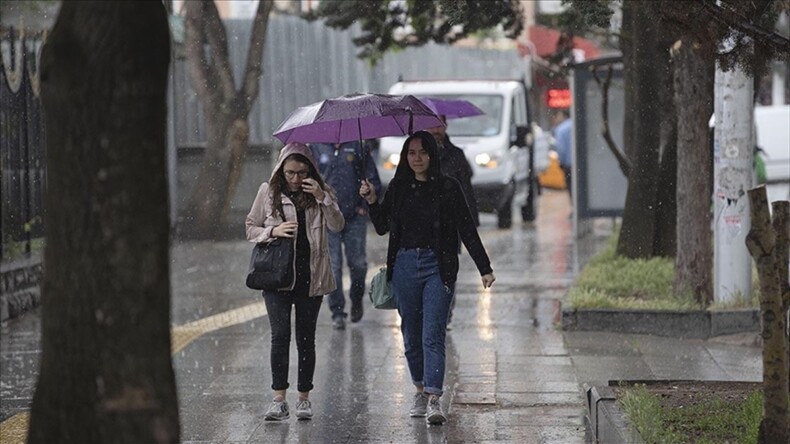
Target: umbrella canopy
x: 452, y: 108
x: 357, y: 116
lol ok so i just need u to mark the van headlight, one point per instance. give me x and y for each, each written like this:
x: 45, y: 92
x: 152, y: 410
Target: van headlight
x: 486, y: 160
x: 392, y: 161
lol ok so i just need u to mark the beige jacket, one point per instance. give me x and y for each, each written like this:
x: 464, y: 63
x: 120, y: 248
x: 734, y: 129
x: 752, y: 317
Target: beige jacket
x: 261, y: 221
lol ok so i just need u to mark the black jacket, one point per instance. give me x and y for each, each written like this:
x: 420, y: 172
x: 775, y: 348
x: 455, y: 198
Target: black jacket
x: 454, y: 220
x: 455, y: 165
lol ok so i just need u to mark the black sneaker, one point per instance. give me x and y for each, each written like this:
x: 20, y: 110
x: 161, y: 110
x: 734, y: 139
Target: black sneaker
x: 356, y: 311
x: 339, y: 323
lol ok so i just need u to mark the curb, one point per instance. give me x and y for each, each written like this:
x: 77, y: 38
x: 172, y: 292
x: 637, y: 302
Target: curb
x: 607, y: 422
x: 698, y: 324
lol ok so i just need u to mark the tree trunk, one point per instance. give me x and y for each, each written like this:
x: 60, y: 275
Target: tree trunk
x: 781, y: 224
x: 665, y: 240
x: 226, y: 110
x: 649, y: 62
x: 761, y: 242
x: 694, y: 98
x: 106, y: 373
x: 627, y: 43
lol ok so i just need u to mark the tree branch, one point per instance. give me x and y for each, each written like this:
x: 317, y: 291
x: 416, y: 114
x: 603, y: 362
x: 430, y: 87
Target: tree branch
x: 218, y: 42
x: 201, y: 73
x: 625, y: 165
x: 745, y: 25
x: 252, y: 73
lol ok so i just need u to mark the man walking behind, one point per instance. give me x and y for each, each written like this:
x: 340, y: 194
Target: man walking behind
x: 343, y: 167
x: 454, y: 164
x: 563, y: 131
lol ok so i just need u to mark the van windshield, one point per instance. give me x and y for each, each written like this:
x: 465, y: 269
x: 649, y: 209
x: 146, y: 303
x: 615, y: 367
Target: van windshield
x: 488, y: 124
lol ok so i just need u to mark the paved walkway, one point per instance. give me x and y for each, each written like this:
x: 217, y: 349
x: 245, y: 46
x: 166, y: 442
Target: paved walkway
x: 512, y: 377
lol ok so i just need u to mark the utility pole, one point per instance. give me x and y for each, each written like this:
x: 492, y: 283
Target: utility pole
x: 733, y: 155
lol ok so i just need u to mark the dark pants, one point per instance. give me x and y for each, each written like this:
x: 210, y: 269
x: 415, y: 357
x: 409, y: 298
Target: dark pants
x: 568, y: 171
x: 352, y: 238
x: 278, y: 306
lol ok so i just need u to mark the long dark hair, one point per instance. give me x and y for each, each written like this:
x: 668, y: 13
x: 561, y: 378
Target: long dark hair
x: 278, y: 185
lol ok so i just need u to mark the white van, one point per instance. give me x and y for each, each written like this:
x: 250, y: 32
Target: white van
x: 773, y: 136
x: 505, y: 151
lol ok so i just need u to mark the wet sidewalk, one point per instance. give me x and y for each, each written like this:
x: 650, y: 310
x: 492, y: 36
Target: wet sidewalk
x: 509, y: 376
x: 512, y: 377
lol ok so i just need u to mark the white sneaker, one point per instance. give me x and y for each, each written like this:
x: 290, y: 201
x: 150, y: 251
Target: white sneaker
x: 435, y: 416
x: 277, y: 411
x: 304, y: 410
x: 420, y: 405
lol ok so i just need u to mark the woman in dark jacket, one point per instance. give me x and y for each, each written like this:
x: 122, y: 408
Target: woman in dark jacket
x: 425, y: 213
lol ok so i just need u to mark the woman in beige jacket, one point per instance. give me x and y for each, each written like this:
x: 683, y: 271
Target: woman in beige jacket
x: 296, y: 203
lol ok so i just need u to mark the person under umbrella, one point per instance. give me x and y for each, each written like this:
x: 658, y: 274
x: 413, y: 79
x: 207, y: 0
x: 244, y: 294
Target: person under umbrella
x: 425, y: 213
x: 296, y: 203
x: 344, y: 166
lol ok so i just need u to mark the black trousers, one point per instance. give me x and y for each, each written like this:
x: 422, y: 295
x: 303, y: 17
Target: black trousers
x: 568, y: 176
x: 278, y: 306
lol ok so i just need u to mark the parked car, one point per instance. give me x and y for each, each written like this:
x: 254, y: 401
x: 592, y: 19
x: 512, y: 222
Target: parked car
x: 505, y: 150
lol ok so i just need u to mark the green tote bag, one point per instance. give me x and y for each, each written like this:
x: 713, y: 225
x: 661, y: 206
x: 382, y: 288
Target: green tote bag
x: 381, y: 291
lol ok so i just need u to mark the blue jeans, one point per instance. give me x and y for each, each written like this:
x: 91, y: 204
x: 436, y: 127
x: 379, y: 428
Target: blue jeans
x: 423, y: 304
x: 353, y: 237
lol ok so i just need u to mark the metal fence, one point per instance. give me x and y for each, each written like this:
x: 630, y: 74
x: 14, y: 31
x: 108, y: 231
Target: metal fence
x: 22, y: 145
x: 305, y: 62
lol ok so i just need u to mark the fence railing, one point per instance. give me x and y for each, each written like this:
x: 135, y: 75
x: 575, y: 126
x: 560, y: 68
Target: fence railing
x: 22, y: 145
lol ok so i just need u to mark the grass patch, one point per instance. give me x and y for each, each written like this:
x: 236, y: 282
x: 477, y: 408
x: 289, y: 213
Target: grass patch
x: 714, y: 420
x: 610, y: 281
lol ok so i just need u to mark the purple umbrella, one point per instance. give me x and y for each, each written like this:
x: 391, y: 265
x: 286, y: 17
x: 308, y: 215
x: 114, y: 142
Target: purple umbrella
x: 452, y: 108
x: 357, y: 116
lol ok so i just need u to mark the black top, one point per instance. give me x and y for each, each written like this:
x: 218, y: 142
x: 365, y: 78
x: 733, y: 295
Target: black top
x: 417, y: 222
x: 454, y: 220
x: 302, y: 284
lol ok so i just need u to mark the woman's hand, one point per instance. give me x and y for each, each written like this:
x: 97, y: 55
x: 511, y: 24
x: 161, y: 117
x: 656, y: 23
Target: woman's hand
x: 488, y: 280
x: 285, y: 229
x: 367, y: 191
x: 311, y: 186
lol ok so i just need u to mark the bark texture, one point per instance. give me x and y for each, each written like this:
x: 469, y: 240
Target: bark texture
x: 106, y: 373
x: 761, y: 242
x: 694, y: 97
x: 648, y: 63
x: 226, y: 109
x: 781, y: 224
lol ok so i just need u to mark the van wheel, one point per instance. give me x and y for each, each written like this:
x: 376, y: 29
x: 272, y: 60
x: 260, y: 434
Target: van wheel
x: 505, y: 215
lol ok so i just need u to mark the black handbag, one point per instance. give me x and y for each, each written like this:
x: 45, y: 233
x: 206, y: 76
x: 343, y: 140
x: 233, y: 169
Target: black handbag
x: 272, y: 265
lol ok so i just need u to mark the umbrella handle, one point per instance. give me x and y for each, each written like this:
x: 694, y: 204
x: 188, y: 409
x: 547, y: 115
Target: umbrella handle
x: 411, y: 121
x: 364, y: 160
x: 362, y: 149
